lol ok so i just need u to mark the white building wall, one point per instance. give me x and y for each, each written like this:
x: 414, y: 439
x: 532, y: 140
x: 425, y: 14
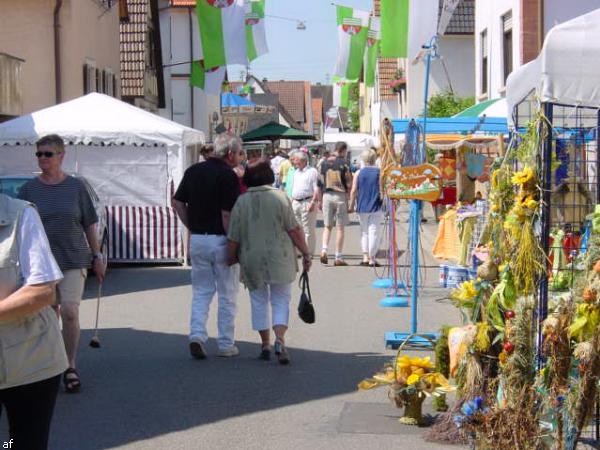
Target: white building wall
x: 457, y: 55
x: 488, y: 16
x: 188, y: 106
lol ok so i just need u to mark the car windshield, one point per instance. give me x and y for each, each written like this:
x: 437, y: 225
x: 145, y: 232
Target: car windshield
x: 12, y: 186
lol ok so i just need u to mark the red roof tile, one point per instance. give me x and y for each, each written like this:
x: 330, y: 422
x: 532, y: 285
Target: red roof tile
x: 133, y: 35
x: 291, y: 96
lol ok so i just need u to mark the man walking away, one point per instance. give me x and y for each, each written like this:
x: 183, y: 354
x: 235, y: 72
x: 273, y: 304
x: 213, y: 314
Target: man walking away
x: 305, y: 197
x: 336, y: 181
x: 203, y: 202
x: 276, y: 161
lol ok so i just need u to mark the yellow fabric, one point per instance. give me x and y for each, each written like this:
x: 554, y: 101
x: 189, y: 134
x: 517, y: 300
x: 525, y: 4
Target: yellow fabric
x: 446, y: 243
x: 466, y: 235
x: 283, y: 169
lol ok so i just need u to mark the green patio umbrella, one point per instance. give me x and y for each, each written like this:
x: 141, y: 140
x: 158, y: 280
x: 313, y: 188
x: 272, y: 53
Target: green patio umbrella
x: 273, y: 131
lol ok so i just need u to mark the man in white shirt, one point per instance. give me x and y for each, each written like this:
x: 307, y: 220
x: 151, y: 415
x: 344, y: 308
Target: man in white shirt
x: 305, y: 197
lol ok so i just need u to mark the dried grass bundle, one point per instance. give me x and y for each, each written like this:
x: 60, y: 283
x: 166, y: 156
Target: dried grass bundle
x: 514, y: 427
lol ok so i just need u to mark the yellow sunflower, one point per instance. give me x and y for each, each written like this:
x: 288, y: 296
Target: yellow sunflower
x: 522, y: 177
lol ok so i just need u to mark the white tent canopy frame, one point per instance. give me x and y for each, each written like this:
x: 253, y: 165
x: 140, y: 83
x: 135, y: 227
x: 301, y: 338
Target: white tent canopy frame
x: 132, y: 158
x: 566, y: 72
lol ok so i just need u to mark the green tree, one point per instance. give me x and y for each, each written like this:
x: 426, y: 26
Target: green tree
x: 447, y: 104
x: 353, y: 122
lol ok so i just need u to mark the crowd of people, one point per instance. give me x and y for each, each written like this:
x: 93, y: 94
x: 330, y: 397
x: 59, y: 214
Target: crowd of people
x: 249, y: 219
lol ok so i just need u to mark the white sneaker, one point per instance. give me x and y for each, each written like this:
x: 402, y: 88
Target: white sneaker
x: 229, y: 352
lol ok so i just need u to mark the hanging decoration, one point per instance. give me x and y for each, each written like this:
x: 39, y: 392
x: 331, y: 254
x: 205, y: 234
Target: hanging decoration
x: 256, y: 39
x: 353, y: 30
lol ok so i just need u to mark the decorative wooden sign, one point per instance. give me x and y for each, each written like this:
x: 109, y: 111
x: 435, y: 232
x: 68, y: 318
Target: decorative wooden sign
x: 422, y: 182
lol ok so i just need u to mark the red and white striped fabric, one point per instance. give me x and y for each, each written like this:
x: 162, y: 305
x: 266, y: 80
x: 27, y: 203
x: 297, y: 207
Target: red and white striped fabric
x: 143, y: 233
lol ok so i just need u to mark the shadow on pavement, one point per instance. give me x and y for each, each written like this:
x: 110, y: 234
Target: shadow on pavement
x: 127, y: 279
x: 142, y: 384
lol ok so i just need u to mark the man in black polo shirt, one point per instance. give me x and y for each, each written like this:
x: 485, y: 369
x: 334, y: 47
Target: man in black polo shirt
x: 203, y: 202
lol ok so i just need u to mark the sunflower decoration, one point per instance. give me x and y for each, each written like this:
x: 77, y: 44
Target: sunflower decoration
x: 523, y: 178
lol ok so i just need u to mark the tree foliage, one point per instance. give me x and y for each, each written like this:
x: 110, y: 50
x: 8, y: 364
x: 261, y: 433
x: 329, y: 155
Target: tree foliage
x: 447, y: 104
x: 353, y: 122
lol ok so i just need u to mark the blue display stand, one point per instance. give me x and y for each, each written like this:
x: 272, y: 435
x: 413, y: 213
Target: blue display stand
x: 412, y: 338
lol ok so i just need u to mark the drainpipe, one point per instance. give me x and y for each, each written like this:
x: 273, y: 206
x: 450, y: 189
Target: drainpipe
x: 57, y: 66
x: 192, y: 62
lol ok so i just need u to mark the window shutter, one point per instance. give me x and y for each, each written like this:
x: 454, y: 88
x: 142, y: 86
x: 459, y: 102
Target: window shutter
x: 507, y: 21
x: 98, y: 81
x: 85, y: 79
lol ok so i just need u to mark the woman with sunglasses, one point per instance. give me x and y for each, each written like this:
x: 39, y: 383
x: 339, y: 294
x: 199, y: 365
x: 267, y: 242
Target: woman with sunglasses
x: 70, y: 220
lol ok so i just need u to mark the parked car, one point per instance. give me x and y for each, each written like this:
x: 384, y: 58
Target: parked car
x: 12, y: 184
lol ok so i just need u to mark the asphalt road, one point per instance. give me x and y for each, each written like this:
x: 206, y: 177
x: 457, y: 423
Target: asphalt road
x: 141, y: 389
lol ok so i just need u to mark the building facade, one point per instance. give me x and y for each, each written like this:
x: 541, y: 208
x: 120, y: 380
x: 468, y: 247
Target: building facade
x: 510, y: 33
x: 142, y: 82
x: 64, y: 49
x: 399, y: 86
x: 180, y: 45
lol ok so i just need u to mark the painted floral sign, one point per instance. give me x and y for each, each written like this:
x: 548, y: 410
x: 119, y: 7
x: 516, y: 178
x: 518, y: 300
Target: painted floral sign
x: 422, y: 182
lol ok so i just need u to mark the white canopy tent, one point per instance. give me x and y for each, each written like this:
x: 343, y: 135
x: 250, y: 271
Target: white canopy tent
x: 131, y: 157
x: 567, y: 71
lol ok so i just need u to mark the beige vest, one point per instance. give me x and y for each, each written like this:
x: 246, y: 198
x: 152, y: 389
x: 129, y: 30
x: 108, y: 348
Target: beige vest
x: 31, y: 347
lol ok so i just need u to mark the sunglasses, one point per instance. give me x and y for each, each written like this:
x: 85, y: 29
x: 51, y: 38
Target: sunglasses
x: 45, y: 154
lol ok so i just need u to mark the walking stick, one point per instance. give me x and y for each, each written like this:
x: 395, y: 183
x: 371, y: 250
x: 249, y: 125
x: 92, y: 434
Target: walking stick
x: 95, y: 341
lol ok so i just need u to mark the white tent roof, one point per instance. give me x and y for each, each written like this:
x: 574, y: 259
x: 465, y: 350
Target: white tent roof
x: 567, y: 71
x: 98, y: 119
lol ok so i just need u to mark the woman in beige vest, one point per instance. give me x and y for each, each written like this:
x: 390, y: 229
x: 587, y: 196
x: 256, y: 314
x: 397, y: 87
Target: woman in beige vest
x: 32, y: 355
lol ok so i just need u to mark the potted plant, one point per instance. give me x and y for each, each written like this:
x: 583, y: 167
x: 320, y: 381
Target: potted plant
x: 399, y: 81
x: 410, y: 381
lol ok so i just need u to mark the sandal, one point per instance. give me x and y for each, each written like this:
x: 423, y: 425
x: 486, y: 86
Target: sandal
x: 282, y: 354
x: 265, y: 353
x: 72, y: 383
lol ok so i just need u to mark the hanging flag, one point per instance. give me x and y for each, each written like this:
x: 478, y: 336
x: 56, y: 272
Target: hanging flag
x: 222, y: 34
x: 256, y: 40
x: 209, y: 80
x: 341, y: 92
x: 406, y: 25
x: 373, y: 38
x: 353, y: 27
x: 446, y: 15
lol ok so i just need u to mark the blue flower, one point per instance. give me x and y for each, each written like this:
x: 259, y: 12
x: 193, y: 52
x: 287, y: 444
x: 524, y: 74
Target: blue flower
x: 468, y: 408
x: 458, y: 420
x: 478, y: 402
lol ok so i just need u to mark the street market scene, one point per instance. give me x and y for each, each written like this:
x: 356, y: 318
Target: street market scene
x: 261, y: 224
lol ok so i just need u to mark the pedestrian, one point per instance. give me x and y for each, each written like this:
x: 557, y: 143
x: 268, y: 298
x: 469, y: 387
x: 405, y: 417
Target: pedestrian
x: 366, y: 200
x: 239, y: 171
x: 203, y: 202
x: 305, y: 197
x: 322, y: 159
x: 289, y: 177
x: 70, y: 221
x: 284, y: 168
x: 262, y: 235
x: 276, y: 161
x: 33, y: 353
x: 336, y: 181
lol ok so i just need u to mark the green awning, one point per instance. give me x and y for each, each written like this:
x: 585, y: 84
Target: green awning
x: 477, y: 109
x: 273, y: 131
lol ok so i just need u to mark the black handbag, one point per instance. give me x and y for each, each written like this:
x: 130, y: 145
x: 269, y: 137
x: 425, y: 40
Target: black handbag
x: 306, y: 311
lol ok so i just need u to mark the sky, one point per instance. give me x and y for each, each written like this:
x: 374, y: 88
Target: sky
x: 299, y: 54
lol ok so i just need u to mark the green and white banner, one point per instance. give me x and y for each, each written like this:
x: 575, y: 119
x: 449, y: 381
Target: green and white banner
x: 373, y: 41
x: 341, y: 92
x: 406, y: 25
x: 353, y: 27
x: 222, y: 32
x: 209, y: 80
x: 256, y: 40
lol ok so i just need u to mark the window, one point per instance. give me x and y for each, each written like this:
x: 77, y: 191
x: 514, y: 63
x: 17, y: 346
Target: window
x: 89, y: 77
x: 507, y: 43
x: 108, y: 82
x: 484, y: 62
